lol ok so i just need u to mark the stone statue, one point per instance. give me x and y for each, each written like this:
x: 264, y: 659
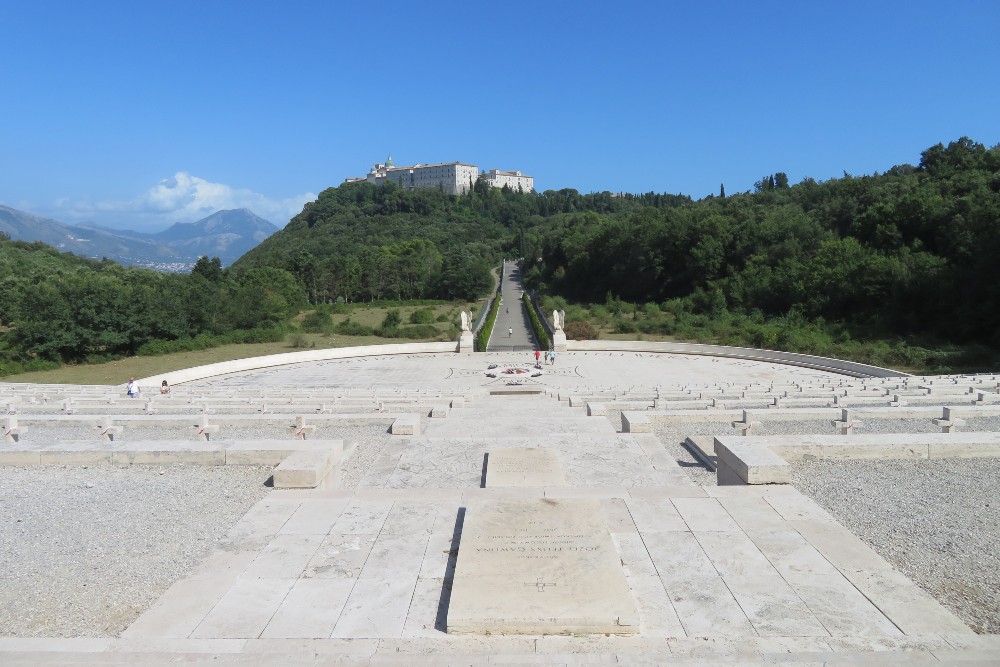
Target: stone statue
x: 466, y: 321
x: 557, y: 320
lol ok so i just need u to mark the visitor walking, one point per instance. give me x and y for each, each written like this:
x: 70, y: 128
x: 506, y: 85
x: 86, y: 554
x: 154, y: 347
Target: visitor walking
x: 552, y: 357
x: 537, y: 357
x: 510, y: 332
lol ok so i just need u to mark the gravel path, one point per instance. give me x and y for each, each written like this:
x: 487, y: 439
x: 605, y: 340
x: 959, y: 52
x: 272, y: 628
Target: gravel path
x: 936, y: 521
x: 84, y: 550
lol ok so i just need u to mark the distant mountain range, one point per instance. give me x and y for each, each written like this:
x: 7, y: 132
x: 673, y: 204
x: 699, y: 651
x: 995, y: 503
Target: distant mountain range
x: 227, y: 235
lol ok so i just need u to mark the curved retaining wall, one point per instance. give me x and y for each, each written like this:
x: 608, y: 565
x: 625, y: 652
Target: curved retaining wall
x: 253, y: 363
x: 791, y: 358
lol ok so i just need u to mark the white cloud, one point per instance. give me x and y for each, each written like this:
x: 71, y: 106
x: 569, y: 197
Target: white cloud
x: 184, y: 198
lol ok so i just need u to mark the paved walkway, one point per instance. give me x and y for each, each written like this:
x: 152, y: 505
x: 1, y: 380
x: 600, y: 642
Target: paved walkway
x: 359, y: 576
x: 512, y: 330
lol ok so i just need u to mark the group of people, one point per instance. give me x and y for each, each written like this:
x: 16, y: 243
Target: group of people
x: 132, y: 388
x: 550, y: 358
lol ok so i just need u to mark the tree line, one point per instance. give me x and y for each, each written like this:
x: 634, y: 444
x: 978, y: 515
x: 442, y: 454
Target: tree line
x: 911, y: 251
x: 908, y: 252
x: 56, y: 307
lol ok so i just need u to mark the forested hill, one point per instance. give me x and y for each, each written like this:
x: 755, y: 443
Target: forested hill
x: 57, y: 307
x: 364, y: 242
x: 911, y: 250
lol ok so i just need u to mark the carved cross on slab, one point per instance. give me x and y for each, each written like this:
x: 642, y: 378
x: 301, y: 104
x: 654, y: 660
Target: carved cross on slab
x: 540, y: 585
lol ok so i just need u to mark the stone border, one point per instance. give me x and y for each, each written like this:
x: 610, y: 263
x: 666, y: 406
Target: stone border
x: 773, y: 356
x: 765, y: 459
x: 852, y: 368
x: 152, y: 384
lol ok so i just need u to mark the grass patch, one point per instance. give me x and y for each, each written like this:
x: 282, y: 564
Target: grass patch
x: 363, y: 320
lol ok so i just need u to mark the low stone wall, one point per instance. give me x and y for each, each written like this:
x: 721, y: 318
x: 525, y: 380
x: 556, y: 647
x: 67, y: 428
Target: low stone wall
x: 774, y: 356
x: 253, y: 363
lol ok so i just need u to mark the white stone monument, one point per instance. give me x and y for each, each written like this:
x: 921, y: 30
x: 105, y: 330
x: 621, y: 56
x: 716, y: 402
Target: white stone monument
x: 559, y: 337
x: 466, y: 344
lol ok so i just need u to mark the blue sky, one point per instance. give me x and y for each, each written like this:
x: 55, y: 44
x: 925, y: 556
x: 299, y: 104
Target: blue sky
x: 135, y: 114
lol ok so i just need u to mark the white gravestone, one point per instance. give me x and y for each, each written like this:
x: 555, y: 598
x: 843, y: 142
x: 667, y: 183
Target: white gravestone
x: 524, y: 467
x: 539, y: 566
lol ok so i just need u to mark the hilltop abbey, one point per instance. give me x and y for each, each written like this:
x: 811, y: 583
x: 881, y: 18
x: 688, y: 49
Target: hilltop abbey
x: 455, y: 178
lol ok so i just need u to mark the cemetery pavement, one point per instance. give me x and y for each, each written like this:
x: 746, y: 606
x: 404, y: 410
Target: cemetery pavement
x: 364, y: 575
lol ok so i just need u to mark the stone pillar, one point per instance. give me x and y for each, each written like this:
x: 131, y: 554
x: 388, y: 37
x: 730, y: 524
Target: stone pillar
x: 466, y: 344
x: 559, y: 341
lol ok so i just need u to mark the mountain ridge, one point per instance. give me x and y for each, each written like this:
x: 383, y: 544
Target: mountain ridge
x: 226, y: 234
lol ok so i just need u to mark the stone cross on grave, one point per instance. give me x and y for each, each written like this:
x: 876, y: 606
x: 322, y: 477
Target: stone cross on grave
x: 301, y: 428
x: 108, y: 429
x: 205, y: 430
x: 540, y: 585
x: 747, y: 423
x: 845, y: 423
x: 11, y: 432
x: 984, y: 397
x: 949, y: 421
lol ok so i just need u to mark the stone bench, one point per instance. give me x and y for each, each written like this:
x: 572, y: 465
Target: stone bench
x: 165, y: 452
x: 765, y: 459
x: 636, y: 422
x: 305, y: 469
x: 406, y: 425
x: 596, y: 410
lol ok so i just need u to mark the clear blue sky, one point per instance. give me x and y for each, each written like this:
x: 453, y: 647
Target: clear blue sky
x: 139, y: 114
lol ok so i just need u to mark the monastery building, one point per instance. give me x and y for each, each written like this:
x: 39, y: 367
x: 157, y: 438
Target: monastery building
x: 454, y: 178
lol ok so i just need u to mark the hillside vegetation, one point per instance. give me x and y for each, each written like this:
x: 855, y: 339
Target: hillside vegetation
x: 56, y: 307
x: 906, y: 254
x: 896, y: 268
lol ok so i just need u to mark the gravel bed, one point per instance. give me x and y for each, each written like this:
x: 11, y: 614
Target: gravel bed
x: 368, y: 440
x: 672, y: 436
x: 936, y: 521
x: 84, y: 550
x: 348, y: 432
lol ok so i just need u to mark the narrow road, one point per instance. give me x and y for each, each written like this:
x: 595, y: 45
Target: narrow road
x: 512, y: 330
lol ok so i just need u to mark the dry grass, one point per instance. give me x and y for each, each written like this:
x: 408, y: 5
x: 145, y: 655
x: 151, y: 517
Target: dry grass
x: 118, y: 372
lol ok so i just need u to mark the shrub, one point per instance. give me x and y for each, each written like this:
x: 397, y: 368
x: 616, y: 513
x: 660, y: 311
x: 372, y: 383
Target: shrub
x: 483, y: 338
x: 420, y: 331
x: 299, y: 340
x: 316, y: 321
x: 422, y: 316
x: 581, y: 330
x: 541, y: 333
x: 623, y: 326
x: 349, y: 328
x: 12, y: 367
x: 392, y: 319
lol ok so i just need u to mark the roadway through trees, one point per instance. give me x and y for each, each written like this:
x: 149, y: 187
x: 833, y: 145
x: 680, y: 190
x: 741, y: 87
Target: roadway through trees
x: 512, y: 330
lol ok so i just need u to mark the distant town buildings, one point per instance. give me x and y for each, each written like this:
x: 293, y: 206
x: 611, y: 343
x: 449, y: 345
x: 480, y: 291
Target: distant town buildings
x: 454, y: 178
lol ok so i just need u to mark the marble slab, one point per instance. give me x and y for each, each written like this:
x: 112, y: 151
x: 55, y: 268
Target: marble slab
x: 539, y: 566
x: 536, y: 466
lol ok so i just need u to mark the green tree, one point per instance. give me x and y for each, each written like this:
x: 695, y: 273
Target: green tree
x: 210, y: 269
